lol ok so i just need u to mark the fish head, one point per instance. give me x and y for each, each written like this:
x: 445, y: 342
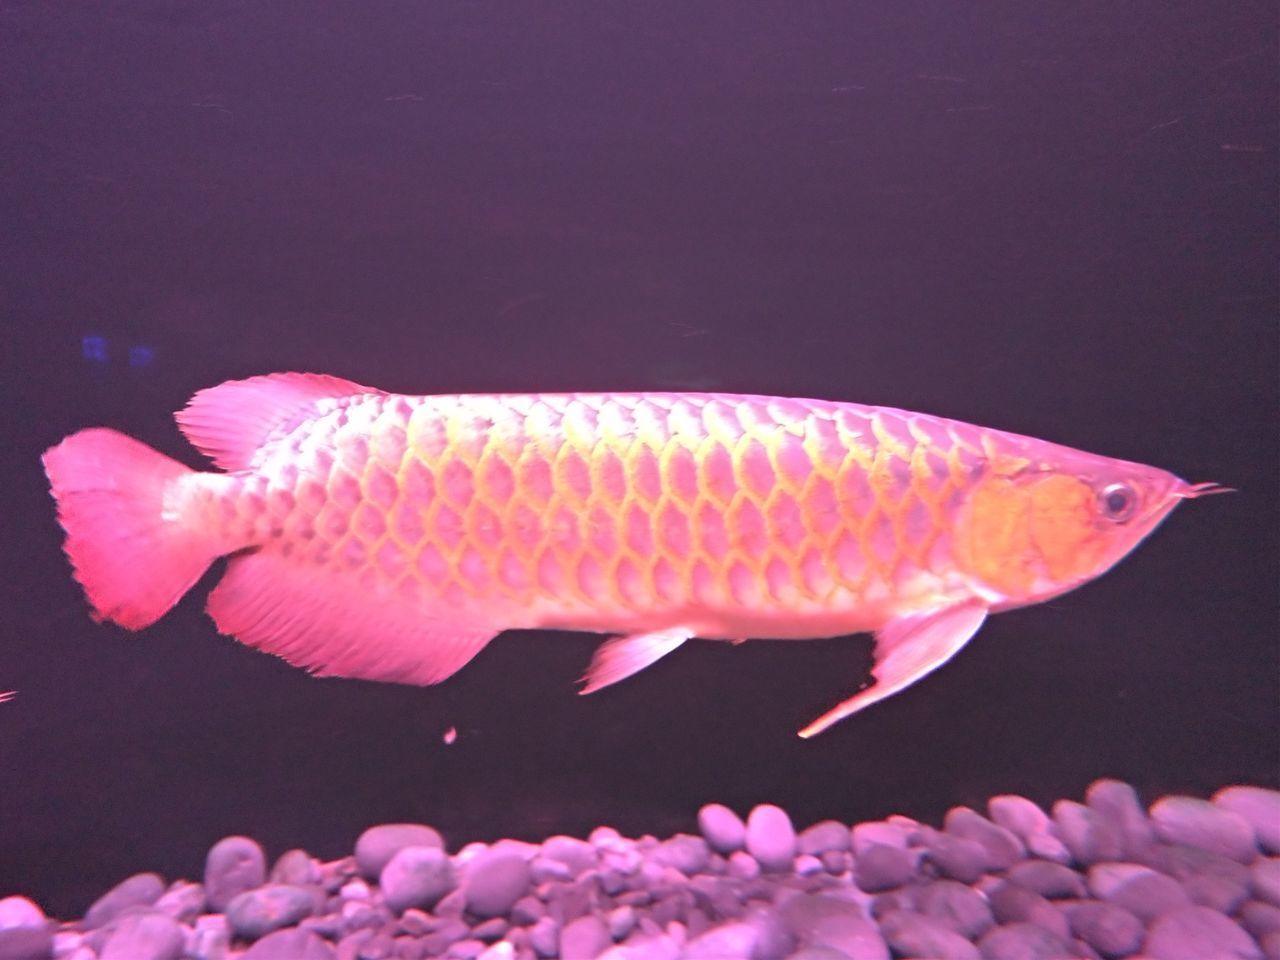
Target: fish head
x: 1045, y: 522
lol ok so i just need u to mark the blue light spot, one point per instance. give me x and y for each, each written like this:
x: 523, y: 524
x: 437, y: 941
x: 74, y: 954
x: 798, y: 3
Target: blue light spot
x: 94, y: 349
x: 141, y: 356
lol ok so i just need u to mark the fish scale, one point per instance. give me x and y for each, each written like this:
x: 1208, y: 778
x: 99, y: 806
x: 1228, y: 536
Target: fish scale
x: 391, y: 537
x: 744, y: 510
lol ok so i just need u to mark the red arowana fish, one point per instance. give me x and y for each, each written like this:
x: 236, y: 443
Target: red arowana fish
x: 391, y: 537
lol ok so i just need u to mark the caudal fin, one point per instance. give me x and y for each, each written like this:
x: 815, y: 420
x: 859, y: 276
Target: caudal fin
x: 133, y: 557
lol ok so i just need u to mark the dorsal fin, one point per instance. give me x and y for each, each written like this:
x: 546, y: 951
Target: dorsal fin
x: 230, y: 423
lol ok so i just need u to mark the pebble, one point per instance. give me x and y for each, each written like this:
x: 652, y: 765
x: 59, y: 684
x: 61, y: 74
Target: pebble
x: 956, y: 858
x: 1264, y: 879
x: 1260, y: 807
x: 140, y: 890
x: 494, y: 881
x: 1011, y: 903
x: 823, y: 837
x: 585, y: 937
x: 1086, y: 834
x: 1199, y: 823
x: 957, y: 906
x: 830, y: 922
x: 771, y: 838
x: 296, y: 867
x: 26, y: 943
x: 377, y: 845
x: 290, y: 945
x: 234, y: 865
x: 1001, y: 846
x: 417, y: 877
x: 880, y: 867
x: 144, y: 936
x: 913, y: 935
x: 183, y: 901
x: 1024, y: 941
x: 1197, y: 933
x: 1118, y: 803
x: 1111, y: 930
x: 690, y: 855
x: 722, y: 828
x: 578, y: 855
x: 1047, y: 879
x: 255, y: 913
x: 997, y: 888
x: 20, y: 912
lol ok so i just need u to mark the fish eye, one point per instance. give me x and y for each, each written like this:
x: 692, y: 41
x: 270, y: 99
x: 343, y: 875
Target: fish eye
x: 1118, y: 502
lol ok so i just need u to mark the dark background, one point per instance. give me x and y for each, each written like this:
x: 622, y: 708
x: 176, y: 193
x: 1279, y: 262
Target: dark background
x: 1058, y: 219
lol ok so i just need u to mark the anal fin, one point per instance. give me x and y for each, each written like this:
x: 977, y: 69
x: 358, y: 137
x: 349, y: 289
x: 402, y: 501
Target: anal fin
x: 907, y: 649
x: 620, y: 657
x: 331, y: 625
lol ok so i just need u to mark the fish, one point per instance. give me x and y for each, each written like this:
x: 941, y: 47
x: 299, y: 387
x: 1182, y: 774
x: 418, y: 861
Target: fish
x: 390, y: 537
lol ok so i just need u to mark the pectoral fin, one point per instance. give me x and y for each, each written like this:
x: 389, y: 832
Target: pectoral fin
x: 906, y: 649
x: 620, y: 657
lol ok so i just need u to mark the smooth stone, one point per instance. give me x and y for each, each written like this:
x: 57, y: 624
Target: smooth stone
x: 1109, y: 929
x: 26, y: 943
x: 688, y: 854
x: 585, y: 937
x: 1018, y: 815
x: 914, y: 935
x: 1218, y: 893
x: 1182, y: 862
x: 1118, y: 803
x: 1047, y: 879
x: 1011, y: 903
x: 771, y: 838
x: 1260, y: 918
x: 1197, y: 933
x: 1150, y: 896
x: 743, y: 866
x: 1087, y: 835
x: 621, y: 921
x: 1260, y: 807
x: 1023, y: 941
x: 1002, y: 847
x: 878, y: 832
x: 290, y: 945
x: 957, y: 906
x: 723, y: 829
x: 210, y: 939
x: 183, y: 901
x: 234, y: 865
x: 495, y: 928
x: 822, y: 921
x: 544, y: 937
x: 140, y: 890
x: 377, y: 845
x: 1199, y: 823
x: 879, y: 868
x: 1106, y: 878
x: 815, y: 953
x: 823, y: 837
x: 499, y: 951
x: 255, y: 913
x: 295, y: 867
x: 144, y: 936
x: 957, y: 858
x: 1046, y: 846
x: 727, y: 940
x: 1264, y: 879
x: 417, y: 877
x: 577, y: 855
x: 494, y: 881
x: 20, y: 912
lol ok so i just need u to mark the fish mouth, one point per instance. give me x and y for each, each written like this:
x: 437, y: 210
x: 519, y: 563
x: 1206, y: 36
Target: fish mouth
x: 1189, y: 491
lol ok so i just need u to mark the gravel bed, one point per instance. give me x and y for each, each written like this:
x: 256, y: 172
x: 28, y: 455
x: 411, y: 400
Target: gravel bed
x: 1188, y: 879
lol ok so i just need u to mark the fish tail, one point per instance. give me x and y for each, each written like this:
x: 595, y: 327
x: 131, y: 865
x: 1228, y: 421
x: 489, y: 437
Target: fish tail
x: 134, y: 557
